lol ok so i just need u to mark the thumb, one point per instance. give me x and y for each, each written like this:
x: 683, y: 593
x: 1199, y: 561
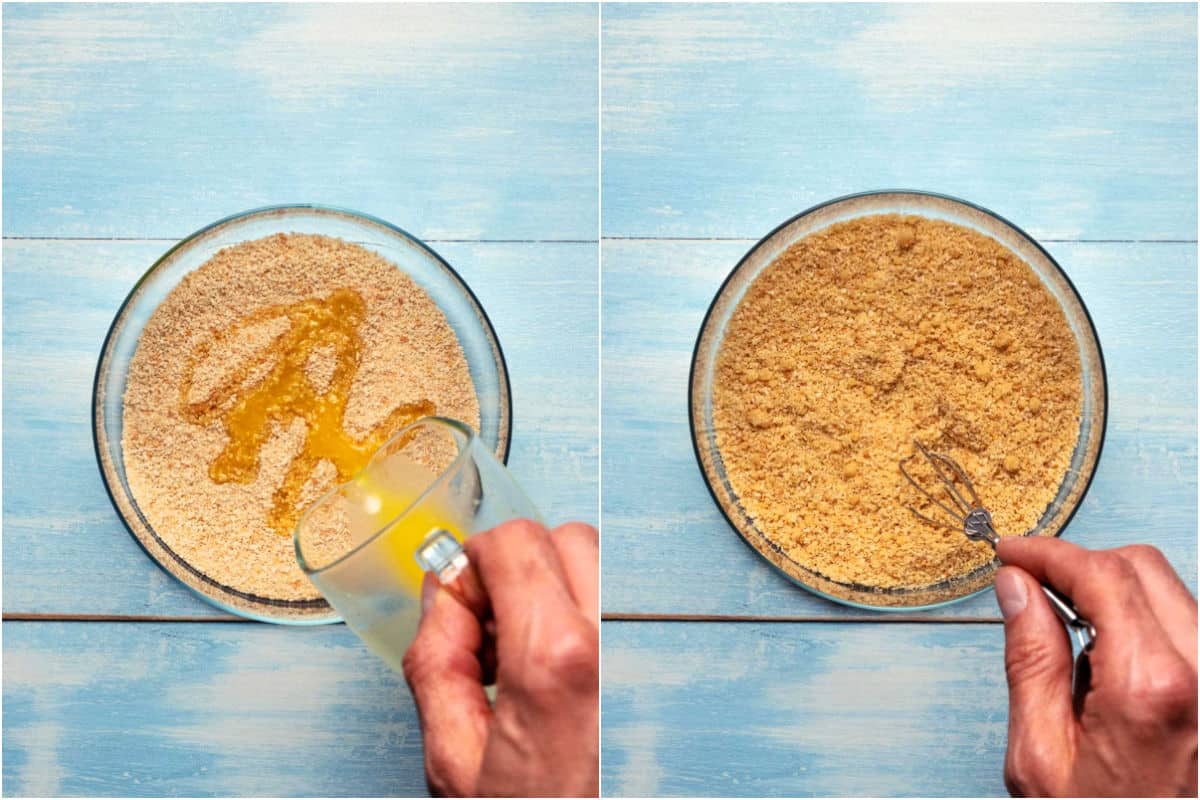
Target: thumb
x: 1037, y: 660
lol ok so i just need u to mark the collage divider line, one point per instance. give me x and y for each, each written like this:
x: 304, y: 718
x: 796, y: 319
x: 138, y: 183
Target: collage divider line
x: 600, y: 356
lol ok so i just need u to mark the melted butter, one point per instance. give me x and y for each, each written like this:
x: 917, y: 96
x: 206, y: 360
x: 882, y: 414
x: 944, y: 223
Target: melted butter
x: 250, y: 415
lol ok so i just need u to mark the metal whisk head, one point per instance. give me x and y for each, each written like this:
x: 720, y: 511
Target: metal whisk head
x: 964, y: 506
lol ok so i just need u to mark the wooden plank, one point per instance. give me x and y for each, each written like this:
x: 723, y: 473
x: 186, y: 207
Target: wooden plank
x: 1074, y: 121
x: 471, y: 121
x: 201, y: 710
x: 66, y: 550
x: 842, y: 709
x: 668, y: 550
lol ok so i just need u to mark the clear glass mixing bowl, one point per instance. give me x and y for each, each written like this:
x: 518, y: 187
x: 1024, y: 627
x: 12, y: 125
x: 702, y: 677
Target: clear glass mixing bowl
x: 712, y: 332
x: 452, y: 295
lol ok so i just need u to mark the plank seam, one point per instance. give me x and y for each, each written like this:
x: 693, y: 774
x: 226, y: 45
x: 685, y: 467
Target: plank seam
x: 560, y: 241
x: 177, y: 238
x: 889, y: 618
x: 52, y: 617
x: 609, y: 617
x: 746, y: 239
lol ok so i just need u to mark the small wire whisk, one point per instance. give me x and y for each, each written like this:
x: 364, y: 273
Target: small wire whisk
x: 971, y: 518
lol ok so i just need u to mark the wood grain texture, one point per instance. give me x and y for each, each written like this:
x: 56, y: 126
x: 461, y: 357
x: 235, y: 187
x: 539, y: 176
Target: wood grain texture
x: 65, y: 548
x: 201, y: 710
x: 668, y: 550
x: 466, y: 122
x: 841, y: 709
x: 723, y: 120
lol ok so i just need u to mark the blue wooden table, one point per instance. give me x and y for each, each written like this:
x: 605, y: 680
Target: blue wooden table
x: 719, y: 122
x: 125, y: 129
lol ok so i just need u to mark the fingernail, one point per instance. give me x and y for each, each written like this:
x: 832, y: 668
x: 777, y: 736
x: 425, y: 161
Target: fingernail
x: 429, y: 588
x: 1010, y: 593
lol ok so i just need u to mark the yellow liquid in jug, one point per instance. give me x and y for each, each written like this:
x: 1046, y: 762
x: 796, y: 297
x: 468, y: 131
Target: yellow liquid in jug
x: 388, y: 491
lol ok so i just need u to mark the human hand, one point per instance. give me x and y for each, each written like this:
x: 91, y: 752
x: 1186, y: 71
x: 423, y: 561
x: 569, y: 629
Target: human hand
x: 1136, y: 732
x: 525, y: 611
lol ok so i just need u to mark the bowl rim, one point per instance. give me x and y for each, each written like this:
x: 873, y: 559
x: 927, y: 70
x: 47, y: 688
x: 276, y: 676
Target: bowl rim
x: 97, y: 410
x: 695, y: 434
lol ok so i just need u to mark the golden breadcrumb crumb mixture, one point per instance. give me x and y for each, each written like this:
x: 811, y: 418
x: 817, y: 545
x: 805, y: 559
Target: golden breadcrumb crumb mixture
x: 263, y: 330
x: 866, y: 335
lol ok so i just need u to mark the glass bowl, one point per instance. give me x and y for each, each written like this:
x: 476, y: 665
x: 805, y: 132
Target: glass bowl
x: 712, y: 332
x: 452, y: 295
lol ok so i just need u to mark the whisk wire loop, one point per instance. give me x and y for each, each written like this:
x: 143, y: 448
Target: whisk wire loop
x: 966, y: 504
x: 951, y: 476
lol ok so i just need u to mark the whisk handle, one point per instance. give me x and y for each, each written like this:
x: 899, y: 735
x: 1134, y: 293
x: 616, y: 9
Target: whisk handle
x: 978, y: 527
x: 1083, y: 630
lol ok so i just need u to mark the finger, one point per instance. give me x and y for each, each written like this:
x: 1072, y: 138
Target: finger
x: 1101, y: 584
x: 578, y: 547
x: 546, y: 648
x: 445, y: 678
x: 1038, y: 664
x: 518, y: 569
x: 1168, y: 597
x: 467, y: 588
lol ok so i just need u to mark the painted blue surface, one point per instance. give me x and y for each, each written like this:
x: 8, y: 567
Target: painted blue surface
x: 720, y: 122
x: 803, y: 709
x: 127, y: 127
x: 201, y: 709
x: 154, y: 120
x: 724, y: 120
